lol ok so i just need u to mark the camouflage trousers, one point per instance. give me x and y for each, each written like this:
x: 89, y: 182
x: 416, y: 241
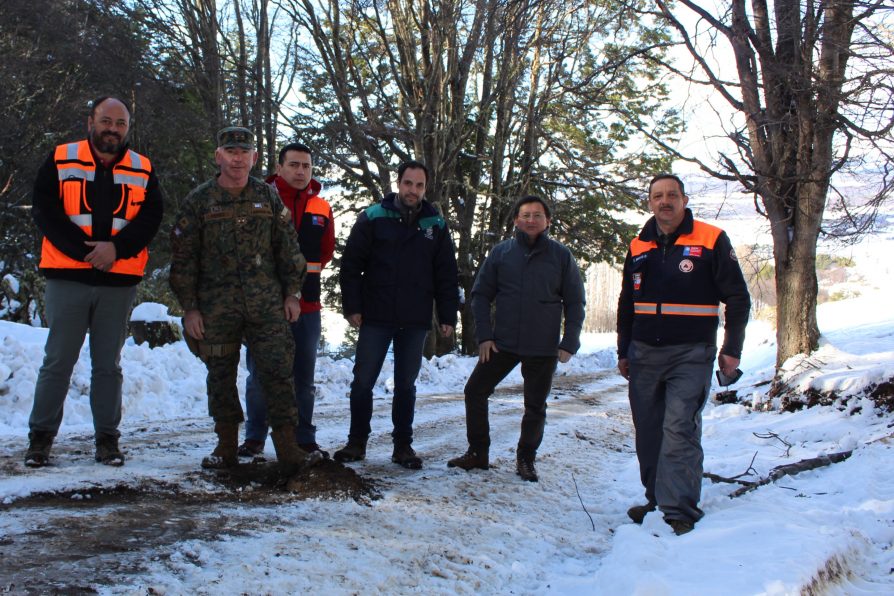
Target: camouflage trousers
x: 266, y: 332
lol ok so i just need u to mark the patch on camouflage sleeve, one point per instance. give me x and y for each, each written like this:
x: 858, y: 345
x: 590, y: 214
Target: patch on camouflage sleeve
x: 285, y: 214
x: 181, y: 226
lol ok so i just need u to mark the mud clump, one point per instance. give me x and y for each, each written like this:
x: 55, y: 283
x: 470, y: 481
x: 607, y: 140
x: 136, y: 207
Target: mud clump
x: 328, y: 480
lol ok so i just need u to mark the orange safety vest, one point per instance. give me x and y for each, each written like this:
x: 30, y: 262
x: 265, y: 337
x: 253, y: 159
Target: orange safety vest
x: 76, y: 167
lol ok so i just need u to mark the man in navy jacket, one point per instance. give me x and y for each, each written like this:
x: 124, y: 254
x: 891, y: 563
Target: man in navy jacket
x: 398, y: 261
x: 677, y: 272
x: 534, y: 283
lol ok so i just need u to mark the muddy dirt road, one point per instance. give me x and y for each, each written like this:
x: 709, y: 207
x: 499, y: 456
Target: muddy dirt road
x: 161, y: 524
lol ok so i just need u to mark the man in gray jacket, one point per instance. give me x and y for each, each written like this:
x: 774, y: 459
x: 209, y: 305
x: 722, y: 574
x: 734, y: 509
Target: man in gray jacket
x: 532, y: 281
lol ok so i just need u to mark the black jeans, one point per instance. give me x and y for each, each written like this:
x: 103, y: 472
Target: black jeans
x: 537, y: 372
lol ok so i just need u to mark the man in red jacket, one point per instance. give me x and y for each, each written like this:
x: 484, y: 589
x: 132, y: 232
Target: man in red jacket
x: 312, y: 218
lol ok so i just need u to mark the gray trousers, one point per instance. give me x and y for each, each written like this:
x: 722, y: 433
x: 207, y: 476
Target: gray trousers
x: 73, y: 309
x: 668, y: 389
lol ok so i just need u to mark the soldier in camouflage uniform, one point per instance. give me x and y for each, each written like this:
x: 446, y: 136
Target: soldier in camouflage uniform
x: 237, y: 271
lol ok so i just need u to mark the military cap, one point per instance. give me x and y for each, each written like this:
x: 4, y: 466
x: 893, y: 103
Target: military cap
x: 236, y: 136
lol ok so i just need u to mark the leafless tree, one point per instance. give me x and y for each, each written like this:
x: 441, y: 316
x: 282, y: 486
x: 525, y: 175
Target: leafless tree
x: 500, y: 98
x: 812, y: 83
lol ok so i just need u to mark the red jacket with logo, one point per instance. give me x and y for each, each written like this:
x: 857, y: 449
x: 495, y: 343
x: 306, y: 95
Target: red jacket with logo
x: 673, y: 286
x: 312, y: 218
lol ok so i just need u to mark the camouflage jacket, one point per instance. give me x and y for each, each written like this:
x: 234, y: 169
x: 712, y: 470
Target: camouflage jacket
x: 223, y: 244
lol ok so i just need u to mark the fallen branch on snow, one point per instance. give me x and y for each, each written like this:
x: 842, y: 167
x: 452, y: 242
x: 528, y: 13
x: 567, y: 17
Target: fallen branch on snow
x: 792, y: 469
x: 592, y: 523
x: 735, y: 479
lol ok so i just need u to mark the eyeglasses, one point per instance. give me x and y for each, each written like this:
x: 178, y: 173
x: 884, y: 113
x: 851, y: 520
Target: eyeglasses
x: 534, y: 216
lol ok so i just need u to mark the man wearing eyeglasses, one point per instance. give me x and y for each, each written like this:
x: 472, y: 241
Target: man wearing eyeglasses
x: 677, y: 272
x: 534, y: 283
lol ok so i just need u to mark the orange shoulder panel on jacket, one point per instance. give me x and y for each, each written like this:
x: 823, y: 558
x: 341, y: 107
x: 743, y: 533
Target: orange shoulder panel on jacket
x: 703, y: 234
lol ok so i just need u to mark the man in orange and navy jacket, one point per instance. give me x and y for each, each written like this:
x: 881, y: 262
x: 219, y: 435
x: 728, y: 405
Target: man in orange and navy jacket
x: 312, y: 217
x: 98, y: 205
x: 677, y: 272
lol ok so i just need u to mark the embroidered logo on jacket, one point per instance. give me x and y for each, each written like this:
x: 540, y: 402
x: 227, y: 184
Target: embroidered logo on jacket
x: 317, y: 220
x: 637, y: 280
x: 686, y: 266
x: 692, y: 251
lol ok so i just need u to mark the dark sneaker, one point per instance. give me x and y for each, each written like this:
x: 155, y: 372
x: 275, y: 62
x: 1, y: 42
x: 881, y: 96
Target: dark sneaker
x: 405, y: 456
x: 638, y: 512
x: 525, y: 469
x: 312, y: 448
x: 250, y: 448
x: 680, y: 526
x: 107, y: 452
x: 353, y: 451
x: 39, y: 445
x: 470, y: 460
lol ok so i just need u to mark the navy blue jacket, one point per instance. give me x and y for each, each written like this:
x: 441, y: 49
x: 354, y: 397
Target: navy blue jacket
x: 532, y: 287
x: 671, y: 292
x: 392, y: 271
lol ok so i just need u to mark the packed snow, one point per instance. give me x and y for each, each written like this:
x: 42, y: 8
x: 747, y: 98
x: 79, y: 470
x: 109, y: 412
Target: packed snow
x: 443, y: 531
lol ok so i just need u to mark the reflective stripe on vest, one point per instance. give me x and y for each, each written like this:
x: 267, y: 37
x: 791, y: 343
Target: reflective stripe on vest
x: 76, y: 167
x: 314, y: 267
x: 691, y: 310
x: 685, y: 310
x: 645, y: 308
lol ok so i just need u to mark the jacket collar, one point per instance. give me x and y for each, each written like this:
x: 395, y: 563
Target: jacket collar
x: 522, y: 238
x: 312, y: 190
x: 650, y: 232
x: 426, y: 209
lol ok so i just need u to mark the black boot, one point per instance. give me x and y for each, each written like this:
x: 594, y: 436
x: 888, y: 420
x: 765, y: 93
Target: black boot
x: 470, y: 460
x: 524, y: 467
x: 39, y: 445
x: 107, y: 452
x: 355, y: 450
x: 406, y: 457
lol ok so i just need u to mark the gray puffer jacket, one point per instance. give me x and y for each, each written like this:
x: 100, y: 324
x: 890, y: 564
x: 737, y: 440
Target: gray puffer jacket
x: 532, y: 287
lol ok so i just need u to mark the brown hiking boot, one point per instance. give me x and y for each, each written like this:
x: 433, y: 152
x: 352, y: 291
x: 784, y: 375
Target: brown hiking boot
x: 680, y: 526
x: 224, y: 455
x: 470, y: 460
x: 292, y: 459
x: 524, y: 467
x: 404, y: 455
x: 638, y: 512
x: 355, y: 450
x: 107, y: 452
x: 39, y: 445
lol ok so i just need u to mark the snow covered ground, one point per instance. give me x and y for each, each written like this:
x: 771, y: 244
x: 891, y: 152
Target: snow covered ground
x: 444, y: 531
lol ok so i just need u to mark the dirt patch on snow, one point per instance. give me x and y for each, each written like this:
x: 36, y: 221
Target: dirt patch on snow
x: 110, y: 529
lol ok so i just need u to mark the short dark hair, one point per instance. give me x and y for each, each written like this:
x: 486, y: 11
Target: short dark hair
x: 530, y: 199
x: 411, y: 165
x: 94, y: 103
x: 667, y: 177
x: 294, y: 147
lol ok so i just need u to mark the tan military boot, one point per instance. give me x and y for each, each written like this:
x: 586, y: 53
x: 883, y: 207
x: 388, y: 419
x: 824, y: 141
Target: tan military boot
x: 292, y: 459
x: 224, y: 455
